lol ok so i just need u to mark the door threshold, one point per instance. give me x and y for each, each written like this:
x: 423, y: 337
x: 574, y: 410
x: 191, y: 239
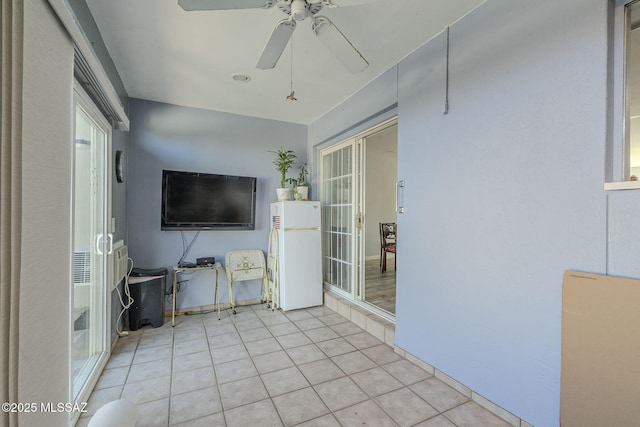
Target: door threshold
x: 381, y: 327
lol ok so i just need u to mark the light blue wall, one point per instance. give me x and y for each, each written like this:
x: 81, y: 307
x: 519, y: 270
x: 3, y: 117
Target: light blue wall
x: 503, y: 194
x: 506, y: 195
x: 170, y: 137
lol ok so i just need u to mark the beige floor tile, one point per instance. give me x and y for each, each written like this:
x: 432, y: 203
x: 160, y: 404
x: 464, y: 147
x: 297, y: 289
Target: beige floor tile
x: 195, y: 404
x: 149, y: 370
x: 438, y: 394
x: 306, y: 354
x: 150, y: 354
x: 248, y: 324
x: 335, y: 347
x: 353, y: 362
x: 236, y: 370
x: 255, y: 334
x: 120, y: 359
x: 225, y: 340
x: 439, y: 421
x: 297, y: 339
x: 215, y: 329
x: 194, y: 379
x: 382, y: 354
x: 275, y: 318
x: 296, y: 315
x: 243, y: 314
x: 363, y: 340
x: 112, y: 378
x: 229, y: 354
x: 323, y: 333
x: 406, y: 371
x: 285, y: 328
x: 324, y: 421
x: 148, y: 390
x: 242, y: 392
x: 376, y: 381
x: 269, y: 345
x: 155, y: 340
x: 212, y: 420
x: 284, y: 381
x: 101, y: 397
x: 126, y: 344
x: 153, y: 414
x: 299, y: 406
x: 320, y: 371
x: 332, y: 318
x: 340, y: 393
x: 191, y: 361
x: 256, y: 367
x: 471, y: 414
x: 365, y: 413
x: 405, y: 407
x: 261, y: 413
x: 272, y: 362
x: 348, y: 328
x: 180, y: 348
x: 306, y: 324
x: 197, y: 333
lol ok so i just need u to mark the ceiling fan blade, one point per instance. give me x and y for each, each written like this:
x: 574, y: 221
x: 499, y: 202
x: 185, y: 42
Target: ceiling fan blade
x: 276, y: 44
x: 339, y: 45
x: 344, y: 3
x: 190, y: 5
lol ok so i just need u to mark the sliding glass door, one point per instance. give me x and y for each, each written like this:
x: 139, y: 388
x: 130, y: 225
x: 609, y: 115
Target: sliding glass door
x: 358, y: 181
x: 91, y: 244
x: 338, y: 164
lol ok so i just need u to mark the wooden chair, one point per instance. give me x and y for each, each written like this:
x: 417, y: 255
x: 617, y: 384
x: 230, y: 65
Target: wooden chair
x: 388, y: 231
x: 245, y: 265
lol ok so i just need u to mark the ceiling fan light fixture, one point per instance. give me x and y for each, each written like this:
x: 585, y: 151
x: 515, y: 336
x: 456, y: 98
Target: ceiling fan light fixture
x: 242, y: 78
x: 299, y: 10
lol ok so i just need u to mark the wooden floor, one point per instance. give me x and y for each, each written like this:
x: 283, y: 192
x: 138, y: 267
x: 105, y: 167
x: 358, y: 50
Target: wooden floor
x: 380, y: 288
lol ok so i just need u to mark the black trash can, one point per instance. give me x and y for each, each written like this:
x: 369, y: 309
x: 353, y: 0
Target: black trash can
x: 147, y: 287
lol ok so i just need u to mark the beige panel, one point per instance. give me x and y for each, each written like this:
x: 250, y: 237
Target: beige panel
x: 46, y: 247
x: 600, y: 374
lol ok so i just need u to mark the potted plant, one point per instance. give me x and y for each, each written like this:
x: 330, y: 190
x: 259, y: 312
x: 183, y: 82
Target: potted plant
x: 300, y: 187
x: 283, y: 161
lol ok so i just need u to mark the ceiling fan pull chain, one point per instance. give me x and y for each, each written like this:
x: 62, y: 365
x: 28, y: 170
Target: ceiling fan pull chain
x: 292, y: 95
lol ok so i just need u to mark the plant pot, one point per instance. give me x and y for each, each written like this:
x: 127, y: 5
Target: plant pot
x: 283, y: 194
x: 302, y: 192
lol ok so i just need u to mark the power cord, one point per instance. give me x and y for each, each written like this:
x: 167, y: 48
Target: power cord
x: 129, y: 299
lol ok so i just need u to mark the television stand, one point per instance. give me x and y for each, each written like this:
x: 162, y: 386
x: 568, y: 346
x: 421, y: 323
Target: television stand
x: 180, y: 268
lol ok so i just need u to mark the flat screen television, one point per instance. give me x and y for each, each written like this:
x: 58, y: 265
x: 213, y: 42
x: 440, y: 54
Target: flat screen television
x: 204, y: 201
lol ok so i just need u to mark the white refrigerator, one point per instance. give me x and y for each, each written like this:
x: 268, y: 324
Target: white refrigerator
x: 297, y: 252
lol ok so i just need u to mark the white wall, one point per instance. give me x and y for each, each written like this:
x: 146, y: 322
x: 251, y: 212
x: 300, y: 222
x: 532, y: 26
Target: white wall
x: 503, y: 194
x: 170, y: 137
x: 381, y: 176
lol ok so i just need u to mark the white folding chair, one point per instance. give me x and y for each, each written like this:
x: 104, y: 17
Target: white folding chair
x: 246, y: 265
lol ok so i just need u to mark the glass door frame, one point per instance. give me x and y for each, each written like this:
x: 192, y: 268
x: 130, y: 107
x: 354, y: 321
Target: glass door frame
x: 351, y: 223
x: 358, y: 225
x: 81, y: 100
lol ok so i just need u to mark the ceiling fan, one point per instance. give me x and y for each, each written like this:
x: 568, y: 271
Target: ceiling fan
x: 298, y: 10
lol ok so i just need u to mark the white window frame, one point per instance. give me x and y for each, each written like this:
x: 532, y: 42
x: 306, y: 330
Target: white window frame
x: 618, y: 165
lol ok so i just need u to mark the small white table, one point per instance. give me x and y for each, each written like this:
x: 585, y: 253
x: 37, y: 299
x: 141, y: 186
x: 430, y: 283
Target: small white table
x: 178, y: 269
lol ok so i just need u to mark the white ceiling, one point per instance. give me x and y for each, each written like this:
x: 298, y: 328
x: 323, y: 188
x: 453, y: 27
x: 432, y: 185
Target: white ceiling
x: 166, y: 54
